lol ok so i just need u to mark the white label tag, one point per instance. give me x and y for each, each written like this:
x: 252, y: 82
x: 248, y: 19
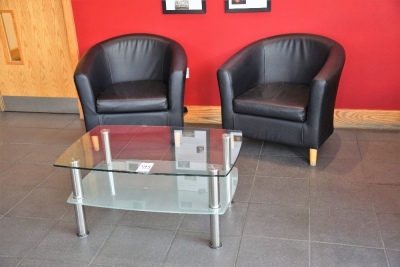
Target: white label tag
x: 145, y: 167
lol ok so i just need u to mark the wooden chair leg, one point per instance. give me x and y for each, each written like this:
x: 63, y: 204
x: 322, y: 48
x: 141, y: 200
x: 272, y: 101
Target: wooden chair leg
x: 313, y: 157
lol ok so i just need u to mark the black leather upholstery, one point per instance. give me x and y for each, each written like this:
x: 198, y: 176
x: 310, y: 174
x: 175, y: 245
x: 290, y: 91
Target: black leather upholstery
x: 283, y: 89
x: 132, y: 79
x: 285, y: 101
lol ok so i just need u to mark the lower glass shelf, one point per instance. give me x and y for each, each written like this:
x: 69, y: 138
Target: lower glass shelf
x: 155, y: 193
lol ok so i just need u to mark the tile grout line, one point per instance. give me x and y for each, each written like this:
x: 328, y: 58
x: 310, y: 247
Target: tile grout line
x: 172, y: 241
x: 379, y: 227
x: 101, y: 247
x: 248, y: 205
x: 373, y: 205
x: 56, y: 221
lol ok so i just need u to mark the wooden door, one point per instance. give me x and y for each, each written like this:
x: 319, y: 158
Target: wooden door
x: 49, y: 50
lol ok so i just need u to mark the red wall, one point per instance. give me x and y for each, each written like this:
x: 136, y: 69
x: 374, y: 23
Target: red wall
x: 369, y: 31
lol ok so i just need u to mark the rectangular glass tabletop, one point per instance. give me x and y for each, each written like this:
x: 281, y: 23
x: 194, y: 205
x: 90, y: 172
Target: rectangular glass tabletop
x: 156, y: 150
x: 154, y: 168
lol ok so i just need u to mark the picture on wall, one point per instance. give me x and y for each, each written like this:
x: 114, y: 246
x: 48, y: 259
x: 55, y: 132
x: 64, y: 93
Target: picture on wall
x: 232, y: 6
x: 184, y: 6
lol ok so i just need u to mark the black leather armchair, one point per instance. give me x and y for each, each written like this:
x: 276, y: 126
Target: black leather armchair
x: 283, y: 89
x: 132, y: 79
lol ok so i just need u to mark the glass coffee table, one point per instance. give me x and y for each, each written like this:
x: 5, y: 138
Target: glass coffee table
x: 154, y: 169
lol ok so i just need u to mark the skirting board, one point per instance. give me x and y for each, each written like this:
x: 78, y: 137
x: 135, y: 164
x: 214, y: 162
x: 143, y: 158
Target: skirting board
x: 40, y: 104
x: 343, y: 118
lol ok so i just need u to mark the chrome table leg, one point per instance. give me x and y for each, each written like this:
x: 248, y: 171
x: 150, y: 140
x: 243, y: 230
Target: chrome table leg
x: 214, y: 204
x: 77, y: 190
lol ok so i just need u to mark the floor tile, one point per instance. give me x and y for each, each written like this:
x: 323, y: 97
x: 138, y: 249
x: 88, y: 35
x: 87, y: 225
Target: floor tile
x: 280, y: 150
x: 77, y: 124
x: 159, y: 220
x: 20, y: 235
x: 340, y: 195
x: 50, y: 263
x: 30, y: 175
x: 62, y: 243
x: 390, y: 228
x: 352, y: 227
x: 339, y: 149
x: 380, y: 151
x: 378, y: 135
x: 30, y: 135
x: 66, y: 137
x: 232, y: 222
x: 5, y: 166
x: 43, y: 203
x: 247, y: 165
x: 287, y: 191
x: 5, y: 133
x: 393, y: 257
x: 256, y: 251
x: 250, y: 147
x: 59, y: 179
x: 44, y: 154
x: 192, y: 249
x: 343, y: 170
x: 243, y: 190
x: 382, y: 173
x: 279, y: 221
x: 135, y: 246
x: 289, y: 167
x: 11, y: 196
x: 386, y: 198
x: 343, y: 134
x: 9, y: 261
x: 95, y: 215
x: 15, y: 152
x: 329, y: 255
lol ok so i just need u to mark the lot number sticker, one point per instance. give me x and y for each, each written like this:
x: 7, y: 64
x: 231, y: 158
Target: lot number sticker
x: 145, y: 167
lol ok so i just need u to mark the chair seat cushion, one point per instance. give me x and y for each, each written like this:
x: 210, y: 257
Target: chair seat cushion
x: 134, y: 96
x: 276, y: 100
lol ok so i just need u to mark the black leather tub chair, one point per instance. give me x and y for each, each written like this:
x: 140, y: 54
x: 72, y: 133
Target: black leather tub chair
x: 134, y: 79
x: 283, y: 89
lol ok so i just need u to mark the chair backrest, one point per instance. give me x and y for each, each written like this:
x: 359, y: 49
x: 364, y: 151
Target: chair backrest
x: 135, y: 57
x: 293, y: 58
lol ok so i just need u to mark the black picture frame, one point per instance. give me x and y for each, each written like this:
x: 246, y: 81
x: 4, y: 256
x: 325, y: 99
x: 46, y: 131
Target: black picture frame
x: 167, y: 9
x: 241, y: 6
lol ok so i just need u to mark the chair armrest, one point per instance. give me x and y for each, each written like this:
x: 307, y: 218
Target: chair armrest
x: 237, y: 75
x: 176, y: 83
x: 92, y: 72
x: 90, y: 77
x: 323, y: 96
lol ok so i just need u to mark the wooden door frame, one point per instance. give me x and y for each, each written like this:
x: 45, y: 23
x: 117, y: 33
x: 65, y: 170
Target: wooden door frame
x: 72, y: 40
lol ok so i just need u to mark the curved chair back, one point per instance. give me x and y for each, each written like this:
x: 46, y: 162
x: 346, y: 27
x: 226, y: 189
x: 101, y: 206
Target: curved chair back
x: 132, y: 79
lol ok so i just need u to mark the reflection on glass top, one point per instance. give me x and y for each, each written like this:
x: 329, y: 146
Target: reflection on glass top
x: 153, y: 150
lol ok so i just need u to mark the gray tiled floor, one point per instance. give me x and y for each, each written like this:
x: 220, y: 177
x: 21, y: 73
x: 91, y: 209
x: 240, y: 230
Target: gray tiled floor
x: 343, y: 212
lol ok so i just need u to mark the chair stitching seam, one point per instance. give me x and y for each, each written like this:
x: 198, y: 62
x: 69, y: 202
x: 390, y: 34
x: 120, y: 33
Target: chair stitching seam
x: 162, y: 66
x: 108, y: 63
x: 169, y: 82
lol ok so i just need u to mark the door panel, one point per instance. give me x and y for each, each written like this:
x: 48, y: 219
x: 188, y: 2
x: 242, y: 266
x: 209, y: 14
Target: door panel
x: 49, y: 49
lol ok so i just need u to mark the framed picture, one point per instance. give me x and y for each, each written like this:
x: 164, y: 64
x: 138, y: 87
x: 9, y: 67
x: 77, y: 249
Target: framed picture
x: 184, y: 6
x: 232, y: 6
